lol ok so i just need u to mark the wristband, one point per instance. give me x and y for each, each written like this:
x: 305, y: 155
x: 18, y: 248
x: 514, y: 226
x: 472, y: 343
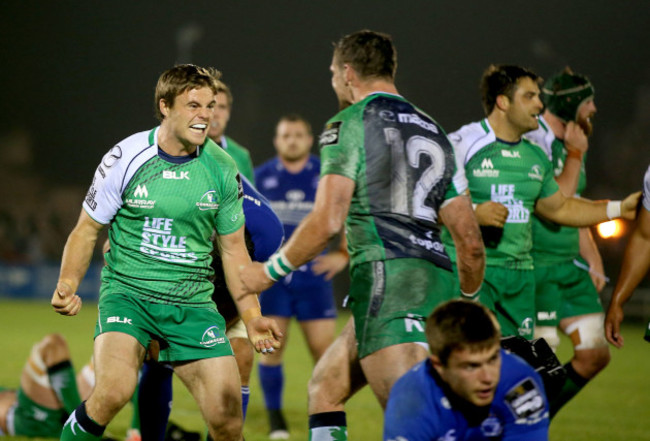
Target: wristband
x: 250, y: 314
x: 278, y: 266
x: 473, y: 206
x: 471, y: 296
x: 613, y: 209
x: 575, y: 154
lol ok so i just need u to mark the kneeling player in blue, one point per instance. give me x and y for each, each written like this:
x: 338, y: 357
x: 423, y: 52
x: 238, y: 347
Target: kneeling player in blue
x: 264, y: 235
x: 469, y: 388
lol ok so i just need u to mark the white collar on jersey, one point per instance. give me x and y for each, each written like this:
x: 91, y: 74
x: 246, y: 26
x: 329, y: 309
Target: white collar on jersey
x: 224, y: 142
x: 384, y: 93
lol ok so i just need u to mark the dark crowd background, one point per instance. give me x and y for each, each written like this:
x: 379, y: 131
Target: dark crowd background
x: 77, y: 77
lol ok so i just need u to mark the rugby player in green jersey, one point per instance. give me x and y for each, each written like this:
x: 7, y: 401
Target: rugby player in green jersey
x: 389, y: 173
x: 509, y: 179
x: 636, y: 264
x: 568, y: 268
x: 217, y: 133
x: 164, y: 192
x: 49, y: 391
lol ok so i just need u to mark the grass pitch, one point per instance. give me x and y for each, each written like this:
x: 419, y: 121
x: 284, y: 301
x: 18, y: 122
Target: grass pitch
x: 615, y: 406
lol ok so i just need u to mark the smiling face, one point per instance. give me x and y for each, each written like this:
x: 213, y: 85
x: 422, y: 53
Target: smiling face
x: 472, y: 375
x: 524, y: 107
x: 188, y: 118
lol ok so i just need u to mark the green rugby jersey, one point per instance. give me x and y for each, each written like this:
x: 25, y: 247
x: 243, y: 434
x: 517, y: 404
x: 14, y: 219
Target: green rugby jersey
x: 554, y: 243
x: 404, y: 169
x: 241, y: 155
x: 513, y: 174
x: 162, y: 214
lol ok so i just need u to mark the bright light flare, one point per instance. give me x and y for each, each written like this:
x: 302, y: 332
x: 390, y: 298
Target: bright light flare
x: 610, y: 230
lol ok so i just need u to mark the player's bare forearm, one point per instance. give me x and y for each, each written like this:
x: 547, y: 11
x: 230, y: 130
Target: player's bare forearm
x: 459, y: 218
x: 77, y: 254
x: 324, y: 222
x: 578, y: 212
x: 234, y: 255
x: 78, y: 250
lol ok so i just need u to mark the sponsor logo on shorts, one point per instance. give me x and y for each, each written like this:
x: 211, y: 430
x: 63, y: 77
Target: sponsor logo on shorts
x: 39, y: 415
x: 414, y: 321
x: 526, y: 327
x: 208, y: 201
x: 118, y: 319
x: 525, y: 401
x: 212, y: 337
x: 547, y: 315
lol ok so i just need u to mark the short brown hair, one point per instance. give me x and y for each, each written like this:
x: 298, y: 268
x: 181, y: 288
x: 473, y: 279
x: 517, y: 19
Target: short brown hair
x: 178, y: 79
x: 502, y: 79
x: 369, y: 53
x: 294, y: 117
x: 226, y: 90
x: 461, y: 324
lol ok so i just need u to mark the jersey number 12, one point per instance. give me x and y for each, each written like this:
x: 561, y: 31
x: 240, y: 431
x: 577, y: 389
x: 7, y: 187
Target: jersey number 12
x: 405, y: 161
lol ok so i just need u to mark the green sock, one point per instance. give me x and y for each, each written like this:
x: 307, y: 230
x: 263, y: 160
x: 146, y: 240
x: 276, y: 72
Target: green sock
x: 64, y: 383
x: 328, y: 426
x: 80, y: 427
x: 572, y: 385
x: 135, y: 420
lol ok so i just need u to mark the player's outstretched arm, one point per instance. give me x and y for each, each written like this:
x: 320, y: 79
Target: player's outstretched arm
x: 458, y: 217
x: 263, y: 332
x: 77, y: 254
x: 310, y: 237
x: 578, y: 212
x: 636, y: 263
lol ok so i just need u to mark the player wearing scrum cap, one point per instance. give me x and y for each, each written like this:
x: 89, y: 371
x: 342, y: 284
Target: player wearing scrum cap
x: 509, y: 179
x: 568, y: 267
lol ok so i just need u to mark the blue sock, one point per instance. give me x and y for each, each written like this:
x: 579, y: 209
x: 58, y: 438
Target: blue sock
x: 154, y: 400
x: 272, y: 381
x: 245, y: 394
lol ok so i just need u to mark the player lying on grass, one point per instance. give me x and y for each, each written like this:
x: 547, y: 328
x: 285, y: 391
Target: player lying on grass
x: 47, y: 394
